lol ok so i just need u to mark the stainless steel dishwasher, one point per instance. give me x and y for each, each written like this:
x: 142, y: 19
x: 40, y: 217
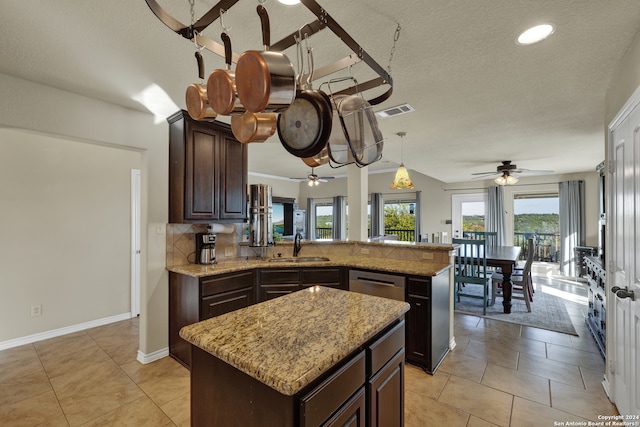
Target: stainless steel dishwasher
x: 377, y: 284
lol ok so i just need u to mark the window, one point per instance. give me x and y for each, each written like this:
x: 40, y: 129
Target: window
x: 324, y: 220
x: 400, y: 219
x: 537, y: 214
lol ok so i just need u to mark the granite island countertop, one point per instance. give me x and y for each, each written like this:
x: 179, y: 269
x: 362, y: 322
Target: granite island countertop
x: 289, y: 341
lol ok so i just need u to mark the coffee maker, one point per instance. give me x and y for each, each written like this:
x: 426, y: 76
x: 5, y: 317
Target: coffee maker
x: 205, y: 248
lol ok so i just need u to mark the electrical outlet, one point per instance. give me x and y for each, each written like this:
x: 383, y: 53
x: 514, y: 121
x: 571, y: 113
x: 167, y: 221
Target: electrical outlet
x: 36, y: 310
x: 364, y: 251
x: 160, y: 229
x: 228, y: 251
x: 427, y: 255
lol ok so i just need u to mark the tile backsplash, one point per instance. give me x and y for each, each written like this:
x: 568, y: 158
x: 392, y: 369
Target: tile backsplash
x: 181, y: 243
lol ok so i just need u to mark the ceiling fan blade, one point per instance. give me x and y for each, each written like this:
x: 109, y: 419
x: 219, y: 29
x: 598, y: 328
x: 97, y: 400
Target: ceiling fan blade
x: 487, y: 173
x: 532, y: 171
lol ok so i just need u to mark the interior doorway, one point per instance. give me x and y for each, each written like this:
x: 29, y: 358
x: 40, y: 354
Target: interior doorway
x: 135, y: 242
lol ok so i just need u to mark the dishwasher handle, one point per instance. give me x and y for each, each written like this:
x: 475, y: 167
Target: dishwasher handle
x: 378, y: 282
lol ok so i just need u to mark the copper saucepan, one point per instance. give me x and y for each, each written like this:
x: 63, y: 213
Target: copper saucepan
x: 253, y: 127
x: 221, y: 86
x: 196, y: 96
x: 265, y: 80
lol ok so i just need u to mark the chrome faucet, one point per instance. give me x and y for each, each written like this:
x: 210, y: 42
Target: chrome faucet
x: 297, y: 244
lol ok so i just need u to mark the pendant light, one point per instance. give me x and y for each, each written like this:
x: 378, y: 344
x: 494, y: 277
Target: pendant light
x: 402, y: 180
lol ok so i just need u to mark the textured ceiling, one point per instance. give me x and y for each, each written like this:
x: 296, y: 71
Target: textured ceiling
x: 479, y: 97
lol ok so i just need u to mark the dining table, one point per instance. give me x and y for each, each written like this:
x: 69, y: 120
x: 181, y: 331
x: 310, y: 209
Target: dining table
x: 505, y: 258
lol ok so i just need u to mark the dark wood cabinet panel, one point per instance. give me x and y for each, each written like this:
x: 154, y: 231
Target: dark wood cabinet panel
x: 352, y: 414
x: 184, y: 297
x: 201, y: 174
x: 193, y: 299
x: 418, y: 328
x: 267, y: 292
x: 233, y: 182
x: 273, y: 283
x: 386, y: 394
x: 324, y: 276
x: 207, y: 172
x: 330, y: 395
x: 427, y: 336
x: 225, y: 293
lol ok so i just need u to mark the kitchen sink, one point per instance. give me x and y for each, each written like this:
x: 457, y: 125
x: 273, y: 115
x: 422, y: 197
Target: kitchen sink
x: 301, y: 259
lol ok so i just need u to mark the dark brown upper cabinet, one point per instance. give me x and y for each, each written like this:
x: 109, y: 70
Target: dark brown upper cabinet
x: 207, y: 172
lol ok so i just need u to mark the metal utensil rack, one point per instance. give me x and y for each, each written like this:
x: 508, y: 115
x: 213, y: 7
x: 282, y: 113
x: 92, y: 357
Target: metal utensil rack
x: 324, y: 20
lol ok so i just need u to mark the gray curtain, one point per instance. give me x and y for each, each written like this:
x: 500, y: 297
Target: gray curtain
x: 571, y: 200
x: 310, y: 220
x: 338, y: 218
x: 416, y: 212
x: 377, y: 215
x: 496, y: 219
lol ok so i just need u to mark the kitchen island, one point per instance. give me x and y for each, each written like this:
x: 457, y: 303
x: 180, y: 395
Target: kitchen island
x: 313, y: 357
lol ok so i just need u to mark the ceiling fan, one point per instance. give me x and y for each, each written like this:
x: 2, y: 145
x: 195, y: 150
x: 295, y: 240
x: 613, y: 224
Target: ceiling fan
x: 313, y: 179
x: 508, y: 173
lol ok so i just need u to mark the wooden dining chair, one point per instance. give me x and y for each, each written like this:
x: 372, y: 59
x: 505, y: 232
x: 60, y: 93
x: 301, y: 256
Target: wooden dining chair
x: 471, y: 269
x: 522, y: 287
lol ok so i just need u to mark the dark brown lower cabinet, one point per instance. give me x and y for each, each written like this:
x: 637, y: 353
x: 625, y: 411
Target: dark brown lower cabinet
x: 427, y: 339
x: 386, y: 394
x: 273, y: 283
x: 365, y: 389
x: 193, y: 299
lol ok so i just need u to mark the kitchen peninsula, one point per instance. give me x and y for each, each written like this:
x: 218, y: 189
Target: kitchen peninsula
x: 198, y: 292
x: 319, y: 356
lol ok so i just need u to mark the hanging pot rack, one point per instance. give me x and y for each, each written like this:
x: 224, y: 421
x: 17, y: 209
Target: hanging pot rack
x: 324, y: 20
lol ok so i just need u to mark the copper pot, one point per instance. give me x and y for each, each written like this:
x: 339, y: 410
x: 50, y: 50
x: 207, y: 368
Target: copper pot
x: 196, y: 96
x: 322, y: 158
x: 265, y: 80
x: 253, y: 127
x: 221, y: 86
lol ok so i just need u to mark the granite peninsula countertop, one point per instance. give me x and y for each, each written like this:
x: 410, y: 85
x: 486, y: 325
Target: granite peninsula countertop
x: 289, y: 341
x: 404, y: 266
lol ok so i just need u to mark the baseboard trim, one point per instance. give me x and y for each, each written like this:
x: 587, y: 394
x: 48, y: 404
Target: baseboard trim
x: 40, y: 336
x: 607, y: 387
x: 152, y: 357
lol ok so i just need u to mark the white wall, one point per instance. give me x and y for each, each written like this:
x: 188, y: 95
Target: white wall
x: 63, y: 115
x: 65, y: 228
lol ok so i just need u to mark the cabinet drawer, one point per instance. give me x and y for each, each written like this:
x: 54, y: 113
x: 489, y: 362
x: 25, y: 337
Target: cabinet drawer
x: 330, y: 395
x: 279, y: 276
x: 318, y: 276
x: 228, y: 282
x: 384, y: 348
x: 419, y: 286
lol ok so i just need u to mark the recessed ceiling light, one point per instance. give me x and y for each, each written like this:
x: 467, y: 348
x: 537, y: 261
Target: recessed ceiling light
x: 535, y: 34
x: 289, y: 2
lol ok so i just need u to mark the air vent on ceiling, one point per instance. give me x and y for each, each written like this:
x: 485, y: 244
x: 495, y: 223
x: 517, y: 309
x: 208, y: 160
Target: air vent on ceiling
x: 395, y: 111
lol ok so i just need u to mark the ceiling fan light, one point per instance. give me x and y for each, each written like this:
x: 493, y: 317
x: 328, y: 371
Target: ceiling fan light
x: 316, y: 183
x: 289, y: 2
x: 310, y: 183
x: 511, y: 180
x: 501, y: 180
x: 401, y: 180
x: 535, y: 34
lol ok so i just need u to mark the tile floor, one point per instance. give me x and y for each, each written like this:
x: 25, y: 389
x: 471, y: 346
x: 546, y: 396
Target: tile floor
x: 499, y: 374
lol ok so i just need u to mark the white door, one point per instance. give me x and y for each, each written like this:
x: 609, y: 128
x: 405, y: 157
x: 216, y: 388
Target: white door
x: 623, y: 258
x: 135, y: 242
x: 466, y: 205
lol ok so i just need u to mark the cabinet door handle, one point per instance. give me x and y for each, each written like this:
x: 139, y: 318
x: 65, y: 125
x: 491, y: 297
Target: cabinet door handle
x: 418, y: 304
